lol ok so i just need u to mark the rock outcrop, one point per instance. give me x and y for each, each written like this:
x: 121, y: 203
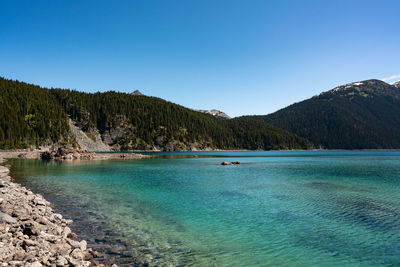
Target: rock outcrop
x: 32, y: 234
x: 67, y: 153
x: 216, y: 113
x: 137, y: 92
x: 86, y: 143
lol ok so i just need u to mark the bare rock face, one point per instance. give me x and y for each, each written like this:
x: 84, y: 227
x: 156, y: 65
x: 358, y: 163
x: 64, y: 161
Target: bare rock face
x: 116, y: 131
x: 137, y: 92
x: 216, y: 113
x: 31, y: 234
x: 92, y: 142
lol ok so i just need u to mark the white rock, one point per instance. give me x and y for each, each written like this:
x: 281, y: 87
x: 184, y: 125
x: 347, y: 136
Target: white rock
x: 61, y: 261
x: 83, y: 244
x: 66, y: 231
x: 34, y: 264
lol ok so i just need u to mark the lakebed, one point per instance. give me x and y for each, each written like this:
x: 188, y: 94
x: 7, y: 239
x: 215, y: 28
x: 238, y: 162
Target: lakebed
x: 288, y: 208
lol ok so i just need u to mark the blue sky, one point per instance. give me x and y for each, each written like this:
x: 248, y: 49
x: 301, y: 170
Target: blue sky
x: 242, y: 57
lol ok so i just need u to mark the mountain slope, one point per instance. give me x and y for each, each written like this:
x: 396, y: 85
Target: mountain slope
x: 358, y: 115
x: 33, y: 116
x: 29, y: 115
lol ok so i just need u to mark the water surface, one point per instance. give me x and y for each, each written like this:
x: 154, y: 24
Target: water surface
x: 285, y: 208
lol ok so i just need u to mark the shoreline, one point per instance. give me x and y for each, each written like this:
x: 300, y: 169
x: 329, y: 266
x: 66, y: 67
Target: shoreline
x: 36, y: 154
x: 32, y: 234
x: 135, y: 154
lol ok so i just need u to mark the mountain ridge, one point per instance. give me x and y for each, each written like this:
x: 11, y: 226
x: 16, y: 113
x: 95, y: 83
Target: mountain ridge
x: 33, y: 116
x: 359, y: 115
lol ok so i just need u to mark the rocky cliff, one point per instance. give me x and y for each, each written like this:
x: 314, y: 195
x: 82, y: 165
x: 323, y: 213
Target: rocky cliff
x: 92, y: 143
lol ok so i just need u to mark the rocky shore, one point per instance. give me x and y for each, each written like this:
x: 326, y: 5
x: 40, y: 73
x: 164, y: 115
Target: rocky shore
x: 32, y: 234
x: 67, y: 154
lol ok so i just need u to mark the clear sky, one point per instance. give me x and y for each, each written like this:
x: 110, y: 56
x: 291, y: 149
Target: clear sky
x: 242, y: 57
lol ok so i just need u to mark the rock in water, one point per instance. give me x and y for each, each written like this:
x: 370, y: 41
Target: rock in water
x: 230, y: 163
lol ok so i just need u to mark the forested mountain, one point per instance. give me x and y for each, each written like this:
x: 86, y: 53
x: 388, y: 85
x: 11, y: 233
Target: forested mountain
x: 31, y: 116
x: 363, y: 114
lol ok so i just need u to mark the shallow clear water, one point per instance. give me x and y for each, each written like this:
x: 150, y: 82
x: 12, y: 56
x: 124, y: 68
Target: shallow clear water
x: 295, y: 208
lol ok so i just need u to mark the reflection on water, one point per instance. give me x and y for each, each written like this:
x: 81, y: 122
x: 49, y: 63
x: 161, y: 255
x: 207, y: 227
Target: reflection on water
x: 292, y: 208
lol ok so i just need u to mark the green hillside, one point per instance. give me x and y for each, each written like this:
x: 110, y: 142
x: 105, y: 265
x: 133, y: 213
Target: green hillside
x: 358, y: 115
x: 32, y: 116
x: 29, y: 115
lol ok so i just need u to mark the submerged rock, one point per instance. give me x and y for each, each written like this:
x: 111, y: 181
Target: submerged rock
x: 230, y: 163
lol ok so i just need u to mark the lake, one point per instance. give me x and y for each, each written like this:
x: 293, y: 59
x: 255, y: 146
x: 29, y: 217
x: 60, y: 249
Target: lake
x: 277, y: 208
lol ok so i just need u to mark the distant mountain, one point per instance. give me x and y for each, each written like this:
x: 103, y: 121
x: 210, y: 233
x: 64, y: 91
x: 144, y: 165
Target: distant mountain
x: 137, y: 92
x: 216, y: 113
x: 397, y: 84
x: 32, y: 116
x: 363, y: 115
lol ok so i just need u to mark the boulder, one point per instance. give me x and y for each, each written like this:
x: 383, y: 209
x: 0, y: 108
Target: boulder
x: 34, y: 264
x: 77, y: 254
x: 30, y: 243
x: 230, y: 163
x: 7, y: 218
x: 83, y: 245
x: 61, y: 261
x: 74, y: 243
x: 19, y: 255
x: 31, y: 228
x: 46, y: 155
x: 4, y: 170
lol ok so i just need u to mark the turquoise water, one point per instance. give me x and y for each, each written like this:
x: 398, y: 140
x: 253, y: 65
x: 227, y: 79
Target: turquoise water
x: 295, y: 208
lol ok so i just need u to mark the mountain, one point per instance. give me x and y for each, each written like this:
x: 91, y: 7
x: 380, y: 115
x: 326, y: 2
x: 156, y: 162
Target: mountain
x: 216, y: 113
x: 32, y: 116
x: 360, y: 115
x: 396, y: 84
x: 137, y: 92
